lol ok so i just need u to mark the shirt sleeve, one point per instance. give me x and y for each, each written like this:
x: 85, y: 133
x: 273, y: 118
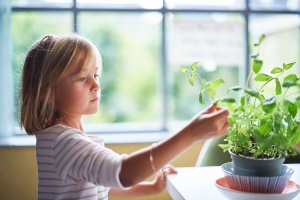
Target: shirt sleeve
x: 76, y: 154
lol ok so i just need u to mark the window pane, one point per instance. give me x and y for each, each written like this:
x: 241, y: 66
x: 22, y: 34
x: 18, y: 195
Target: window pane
x: 147, y: 4
x: 205, y: 4
x: 281, y: 44
x: 42, y: 3
x: 29, y: 26
x: 274, y: 4
x: 216, y: 42
x: 130, y: 81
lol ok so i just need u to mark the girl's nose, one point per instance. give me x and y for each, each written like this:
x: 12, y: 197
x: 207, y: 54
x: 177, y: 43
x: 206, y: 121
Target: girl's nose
x: 96, y: 85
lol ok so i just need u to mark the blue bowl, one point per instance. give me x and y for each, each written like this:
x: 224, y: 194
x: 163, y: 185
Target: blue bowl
x: 257, y: 184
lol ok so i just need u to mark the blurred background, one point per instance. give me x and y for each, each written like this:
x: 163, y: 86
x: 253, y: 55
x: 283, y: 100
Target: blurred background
x: 143, y: 44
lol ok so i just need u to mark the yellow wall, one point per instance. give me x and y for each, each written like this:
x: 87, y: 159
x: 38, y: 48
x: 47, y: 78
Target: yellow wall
x: 18, y: 170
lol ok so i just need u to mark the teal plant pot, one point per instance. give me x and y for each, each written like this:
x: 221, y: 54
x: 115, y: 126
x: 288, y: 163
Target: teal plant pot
x: 256, y: 166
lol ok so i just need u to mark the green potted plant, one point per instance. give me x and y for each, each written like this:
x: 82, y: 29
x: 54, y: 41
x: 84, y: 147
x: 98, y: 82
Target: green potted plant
x: 263, y: 129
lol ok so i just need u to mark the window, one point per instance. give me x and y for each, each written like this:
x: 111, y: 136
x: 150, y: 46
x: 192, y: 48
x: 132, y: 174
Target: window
x: 130, y: 45
x: 216, y: 41
x: 144, y: 43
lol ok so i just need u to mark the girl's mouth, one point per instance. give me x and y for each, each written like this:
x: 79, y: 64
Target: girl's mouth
x: 97, y: 99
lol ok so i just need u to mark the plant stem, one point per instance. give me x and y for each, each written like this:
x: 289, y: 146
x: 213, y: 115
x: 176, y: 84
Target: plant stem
x: 248, y: 79
x: 283, y: 96
x: 273, y: 78
x: 200, y: 79
x: 203, y: 85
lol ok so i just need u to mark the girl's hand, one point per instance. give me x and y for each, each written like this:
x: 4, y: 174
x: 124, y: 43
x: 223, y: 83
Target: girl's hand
x: 210, y: 123
x: 146, y: 188
x: 159, y: 182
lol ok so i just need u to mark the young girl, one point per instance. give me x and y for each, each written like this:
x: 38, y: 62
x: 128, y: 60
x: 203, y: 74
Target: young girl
x: 59, y: 85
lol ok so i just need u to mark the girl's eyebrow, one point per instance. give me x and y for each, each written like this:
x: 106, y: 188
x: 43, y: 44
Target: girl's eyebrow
x: 78, y: 72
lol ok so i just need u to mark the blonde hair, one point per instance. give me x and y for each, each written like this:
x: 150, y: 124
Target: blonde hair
x: 47, y: 62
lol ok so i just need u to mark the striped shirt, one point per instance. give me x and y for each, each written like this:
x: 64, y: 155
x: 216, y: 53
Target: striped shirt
x: 72, y: 165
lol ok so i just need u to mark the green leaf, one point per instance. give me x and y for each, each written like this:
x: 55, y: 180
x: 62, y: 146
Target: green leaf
x: 261, y: 97
x: 296, y: 138
x: 216, y: 83
x: 201, y: 98
x: 262, y: 77
x: 231, y: 120
x: 278, y: 87
x: 183, y: 70
x: 256, y: 66
x: 211, y: 92
x: 252, y: 93
x: 257, y: 135
x: 191, y: 79
x: 297, y: 103
x: 256, y: 44
x: 231, y: 107
x: 276, y: 70
x: 277, y: 120
x: 298, y: 98
x: 243, y: 100
x: 265, y: 126
x: 271, y: 100
x: 261, y: 38
x: 270, y: 104
x: 288, y: 66
x: 288, y: 83
x: 194, y: 66
x: 290, y: 123
x: 254, y: 55
x: 235, y: 88
x: 292, y: 108
x: 290, y: 77
x: 285, y: 106
x: 228, y: 100
x: 225, y: 147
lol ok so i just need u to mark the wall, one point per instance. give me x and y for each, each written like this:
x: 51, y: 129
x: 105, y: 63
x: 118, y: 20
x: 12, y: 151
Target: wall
x: 18, y: 170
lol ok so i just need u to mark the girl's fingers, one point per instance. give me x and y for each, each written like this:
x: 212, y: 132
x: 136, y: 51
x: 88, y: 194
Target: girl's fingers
x: 218, y: 108
x: 221, y: 113
x: 219, y: 122
x: 168, y: 169
x: 211, y: 108
x: 224, y: 128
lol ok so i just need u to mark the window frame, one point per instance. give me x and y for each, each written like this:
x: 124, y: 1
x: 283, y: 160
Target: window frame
x: 246, y: 12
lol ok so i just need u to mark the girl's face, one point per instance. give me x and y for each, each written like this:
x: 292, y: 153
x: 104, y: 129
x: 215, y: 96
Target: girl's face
x: 78, y: 95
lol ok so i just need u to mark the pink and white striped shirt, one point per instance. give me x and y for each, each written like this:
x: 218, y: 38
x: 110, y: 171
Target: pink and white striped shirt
x: 72, y: 165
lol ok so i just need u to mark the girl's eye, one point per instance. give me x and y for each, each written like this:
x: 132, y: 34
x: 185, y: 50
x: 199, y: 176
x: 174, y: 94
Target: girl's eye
x: 82, y: 79
x: 96, y: 76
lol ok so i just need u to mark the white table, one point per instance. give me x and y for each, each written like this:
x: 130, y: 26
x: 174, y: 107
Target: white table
x: 195, y: 183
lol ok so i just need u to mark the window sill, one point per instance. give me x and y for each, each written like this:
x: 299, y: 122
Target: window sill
x: 111, y: 138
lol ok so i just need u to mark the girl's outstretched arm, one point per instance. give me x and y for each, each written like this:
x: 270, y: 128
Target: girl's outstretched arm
x: 207, y: 124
